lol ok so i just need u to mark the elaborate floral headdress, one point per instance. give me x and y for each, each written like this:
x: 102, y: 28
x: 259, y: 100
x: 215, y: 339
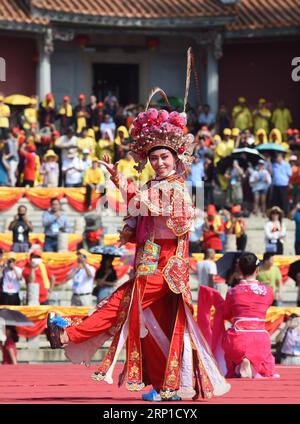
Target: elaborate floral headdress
x: 159, y: 128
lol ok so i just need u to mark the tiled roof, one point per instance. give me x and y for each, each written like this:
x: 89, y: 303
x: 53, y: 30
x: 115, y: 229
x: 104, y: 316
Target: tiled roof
x: 137, y: 8
x: 264, y: 14
x: 17, y: 12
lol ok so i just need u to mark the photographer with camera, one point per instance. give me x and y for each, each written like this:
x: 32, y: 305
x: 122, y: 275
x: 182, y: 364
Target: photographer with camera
x: 10, y: 286
x: 295, y: 216
x: 21, y: 227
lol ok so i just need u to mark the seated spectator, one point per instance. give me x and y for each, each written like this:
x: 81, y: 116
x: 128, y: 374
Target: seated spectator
x: 49, y: 169
x: 10, y: 285
x: 106, y: 145
x: 93, y: 179
x: 85, y: 142
x: 54, y: 221
x: 35, y: 271
x: 86, y: 160
x: 83, y: 281
x: 206, y: 117
x: 275, y: 231
x: 9, y: 348
x: 72, y: 168
x: 30, y: 164
x: 260, y: 181
x: 270, y: 275
x: 65, y: 142
x: 21, y: 227
x: 107, y: 125
x: 288, y: 342
x: 105, y: 278
x: 247, y: 344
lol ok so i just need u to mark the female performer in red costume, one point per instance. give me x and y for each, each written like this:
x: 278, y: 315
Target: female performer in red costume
x: 152, y: 313
x: 247, y: 343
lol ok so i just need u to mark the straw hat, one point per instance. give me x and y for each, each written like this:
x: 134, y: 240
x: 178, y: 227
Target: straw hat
x: 275, y: 209
x: 51, y: 153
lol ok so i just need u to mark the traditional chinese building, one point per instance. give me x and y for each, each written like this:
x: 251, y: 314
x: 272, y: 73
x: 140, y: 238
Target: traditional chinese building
x: 128, y: 46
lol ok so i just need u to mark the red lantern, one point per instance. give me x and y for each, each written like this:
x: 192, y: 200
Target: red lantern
x: 82, y: 40
x: 152, y: 43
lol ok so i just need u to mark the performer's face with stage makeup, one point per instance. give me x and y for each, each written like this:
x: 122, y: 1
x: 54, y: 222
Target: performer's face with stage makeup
x: 162, y: 162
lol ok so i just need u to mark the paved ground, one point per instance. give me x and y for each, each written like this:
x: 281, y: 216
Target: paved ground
x: 71, y: 384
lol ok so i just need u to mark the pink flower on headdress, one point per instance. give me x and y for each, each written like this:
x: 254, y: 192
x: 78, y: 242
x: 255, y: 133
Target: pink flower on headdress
x: 177, y: 119
x: 163, y: 116
x: 135, y: 131
x: 152, y: 115
x: 154, y: 129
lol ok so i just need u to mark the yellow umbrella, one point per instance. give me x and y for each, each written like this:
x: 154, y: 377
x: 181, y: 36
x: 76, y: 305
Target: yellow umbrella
x: 17, y: 100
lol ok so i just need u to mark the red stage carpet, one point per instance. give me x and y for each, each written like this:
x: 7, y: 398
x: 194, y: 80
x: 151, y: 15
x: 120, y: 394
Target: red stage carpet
x: 72, y: 384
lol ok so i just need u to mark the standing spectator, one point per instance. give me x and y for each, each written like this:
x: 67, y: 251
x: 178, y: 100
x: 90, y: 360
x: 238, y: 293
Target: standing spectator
x: 289, y: 342
x: 275, y: 231
x: 65, y: 142
x: 31, y: 116
x: 49, y: 169
x: 81, y: 114
x: 234, y: 175
x: 21, y: 227
x: 106, y: 145
x: 93, y: 112
x: 238, y: 228
x: 105, y: 278
x: 93, y: 179
x: 261, y: 136
x: 281, y: 173
x: 4, y: 118
x: 241, y: 115
x: 65, y: 115
x: 10, y: 286
x: 35, y: 271
x: 206, y: 117
x: 47, y: 111
x: 207, y: 269
x: 4, y: 166
x: 209, y: 175
x: 27, y: 151
x: 270, y: 275
x: 261, y: 116
x: 226, y: 147
x: 122, y: 142
x: 260, y: 181
x: 83, y: 281
x: 86, y: 160
x: 213, y: 230
x: 195, y: 178
x: 54, y: 221
x: 9, y: 348
x: 72, y: 168
x: 196, y: 233
x: 111, y: 105
x: 12, y: 158
x: 282, y: 118
x: 223, y: 120
x: 295, y: 215
x: 295, y: 178
x: 107, y: 125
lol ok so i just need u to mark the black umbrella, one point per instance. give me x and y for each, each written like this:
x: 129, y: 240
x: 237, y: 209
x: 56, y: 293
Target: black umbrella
x: 12, y: 317
x: 294, y: 269
x: 250, y: 155
x: 227, y: 162
x: 226, y: 263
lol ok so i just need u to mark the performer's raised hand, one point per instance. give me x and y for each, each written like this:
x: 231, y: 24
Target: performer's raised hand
x: 112, y: 168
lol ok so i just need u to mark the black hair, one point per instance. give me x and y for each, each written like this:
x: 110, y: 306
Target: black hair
x: 162, y: 147
x: 54, y: 199
x: 248, y: 263
x: 13, y: 331
x: 267, y: 256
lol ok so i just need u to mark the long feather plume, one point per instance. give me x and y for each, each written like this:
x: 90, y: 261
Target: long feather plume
x: 155, y: 91
x: 188, y: 77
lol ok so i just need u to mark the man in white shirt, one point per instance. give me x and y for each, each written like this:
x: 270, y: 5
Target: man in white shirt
x: 83, y: 281
x: 207, y: 269
x: 65, y: 142
x: 108, y: 124
x: 12, y: 276
x: 73, y: 169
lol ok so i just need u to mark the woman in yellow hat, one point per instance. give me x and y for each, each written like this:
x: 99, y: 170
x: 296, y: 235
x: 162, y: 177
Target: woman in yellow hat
x: 49, y: 169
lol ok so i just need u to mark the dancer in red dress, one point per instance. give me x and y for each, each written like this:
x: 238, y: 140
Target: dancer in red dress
x: 152, y: 314
x: 247, y: 344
